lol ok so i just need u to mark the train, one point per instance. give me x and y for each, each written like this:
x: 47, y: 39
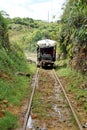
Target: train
x: 46, y: 53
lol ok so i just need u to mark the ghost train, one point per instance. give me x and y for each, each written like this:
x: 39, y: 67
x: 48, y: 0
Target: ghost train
x: 46, y: 53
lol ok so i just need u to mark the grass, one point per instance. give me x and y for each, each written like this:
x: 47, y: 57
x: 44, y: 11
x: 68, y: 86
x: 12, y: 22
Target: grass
x: 42, y: 104
x: 74, y: 81
x: 14, y: 92
x: 38, y: 105
x: 65, y: 72
x: 13, y: 88
x: 8, y: 122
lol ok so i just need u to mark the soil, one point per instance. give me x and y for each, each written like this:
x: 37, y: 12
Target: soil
x: 58, y: 115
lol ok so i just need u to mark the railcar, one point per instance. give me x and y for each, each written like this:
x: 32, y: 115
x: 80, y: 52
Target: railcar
x: 46, y: 53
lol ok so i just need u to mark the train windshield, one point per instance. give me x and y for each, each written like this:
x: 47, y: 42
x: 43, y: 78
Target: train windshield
x: 47, y: 51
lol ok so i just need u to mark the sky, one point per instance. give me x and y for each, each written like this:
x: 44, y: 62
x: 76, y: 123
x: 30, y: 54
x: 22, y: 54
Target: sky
x: 36, y: 9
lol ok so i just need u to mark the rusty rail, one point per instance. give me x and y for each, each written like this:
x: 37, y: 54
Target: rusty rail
x: 75, y: 116
x: 30, y: 103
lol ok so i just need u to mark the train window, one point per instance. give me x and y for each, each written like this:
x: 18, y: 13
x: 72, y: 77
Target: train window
x: 47, y: 50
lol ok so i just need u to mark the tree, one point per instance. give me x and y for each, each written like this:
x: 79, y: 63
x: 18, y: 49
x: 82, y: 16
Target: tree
x: 4, y: 38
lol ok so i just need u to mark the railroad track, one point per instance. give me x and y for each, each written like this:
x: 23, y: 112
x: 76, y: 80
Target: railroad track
x: 30, y: 102
x: 72, y: 109
x: 58, y: 115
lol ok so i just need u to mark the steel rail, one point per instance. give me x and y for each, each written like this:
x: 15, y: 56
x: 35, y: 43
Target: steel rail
x: 75, y: 116
x: 30, y: 103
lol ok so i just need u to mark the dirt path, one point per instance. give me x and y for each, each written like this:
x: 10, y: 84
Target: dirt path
x: 50, y: 110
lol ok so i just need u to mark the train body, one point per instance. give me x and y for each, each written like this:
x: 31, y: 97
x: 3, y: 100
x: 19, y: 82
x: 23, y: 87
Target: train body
x: 46, y: 52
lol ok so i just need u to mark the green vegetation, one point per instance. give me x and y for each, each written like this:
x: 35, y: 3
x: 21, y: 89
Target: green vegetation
x: 70, y: 33
x: 75, y: 83
x: 28, y: 34
x: 4, y: 39
x: 13, y: 87
x: 38, y: 106
x: 73, y: 34
x: 41, y: 105
x: 19, y: 35
x: 73, y: 46
x: 73, y: 43
x: 8, y: 122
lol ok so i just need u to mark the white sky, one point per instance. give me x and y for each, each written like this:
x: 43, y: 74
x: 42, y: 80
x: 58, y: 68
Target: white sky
x: 36, y: 9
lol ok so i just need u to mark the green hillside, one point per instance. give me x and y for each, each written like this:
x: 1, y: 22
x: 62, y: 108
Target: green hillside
x: 13, y: 88
x: 26, y: 32
x: 73, y: 35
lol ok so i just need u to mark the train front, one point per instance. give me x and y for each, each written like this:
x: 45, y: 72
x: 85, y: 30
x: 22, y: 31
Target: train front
x: 46, y: 52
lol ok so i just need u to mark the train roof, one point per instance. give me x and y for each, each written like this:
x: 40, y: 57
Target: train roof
x: 46, y: 43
